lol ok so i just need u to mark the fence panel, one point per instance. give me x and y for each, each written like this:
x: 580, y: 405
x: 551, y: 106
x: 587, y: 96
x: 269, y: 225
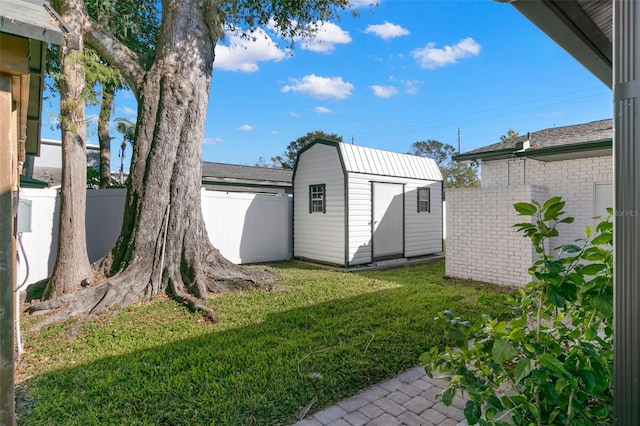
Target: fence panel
x: 246, y: 228
x: 249, y: 228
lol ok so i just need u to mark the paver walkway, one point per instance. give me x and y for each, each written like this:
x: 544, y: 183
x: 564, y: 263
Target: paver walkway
x: 409, y: 399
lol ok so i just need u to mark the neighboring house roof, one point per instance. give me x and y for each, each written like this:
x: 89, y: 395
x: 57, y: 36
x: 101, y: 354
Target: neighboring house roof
x: 582, y: 27
x: 29, y: 182
x: 360, y: 159
x: 592, y: 139
x: 218, y: 175
x: 48, y: 166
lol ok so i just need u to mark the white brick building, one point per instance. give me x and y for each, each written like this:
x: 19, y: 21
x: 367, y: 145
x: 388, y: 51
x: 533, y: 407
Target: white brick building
x: 574, y: 162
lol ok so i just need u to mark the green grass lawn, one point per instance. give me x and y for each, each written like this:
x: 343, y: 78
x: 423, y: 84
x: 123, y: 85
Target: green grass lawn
x: 321, y: 334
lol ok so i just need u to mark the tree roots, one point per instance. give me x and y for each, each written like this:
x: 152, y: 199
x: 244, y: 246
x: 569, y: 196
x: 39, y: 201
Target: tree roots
x: 131, y: 286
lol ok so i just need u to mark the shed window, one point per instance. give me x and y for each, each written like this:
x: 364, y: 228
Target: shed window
x: 424, y: 199
x: 317, y: 202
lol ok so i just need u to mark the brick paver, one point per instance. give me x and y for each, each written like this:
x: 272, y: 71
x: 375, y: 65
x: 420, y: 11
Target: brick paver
x: 410, y: 399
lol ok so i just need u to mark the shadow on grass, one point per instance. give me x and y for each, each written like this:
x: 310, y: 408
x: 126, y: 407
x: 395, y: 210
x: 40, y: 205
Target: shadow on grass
x: 263, y: 374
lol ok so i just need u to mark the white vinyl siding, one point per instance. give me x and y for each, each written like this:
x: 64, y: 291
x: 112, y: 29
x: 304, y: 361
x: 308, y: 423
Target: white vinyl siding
x: 359, y: 189
x: 423, y: 231
x: 319, y: 237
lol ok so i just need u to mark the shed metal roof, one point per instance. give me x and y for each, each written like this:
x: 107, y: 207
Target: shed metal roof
x: 360, y: 159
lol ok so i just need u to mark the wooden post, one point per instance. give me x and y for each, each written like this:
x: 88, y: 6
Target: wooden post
x: 7, y: 251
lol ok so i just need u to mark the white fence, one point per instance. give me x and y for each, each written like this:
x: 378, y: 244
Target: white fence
x: 246, y: 228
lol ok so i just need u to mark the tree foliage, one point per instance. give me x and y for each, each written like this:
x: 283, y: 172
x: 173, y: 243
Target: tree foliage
x: 440, y: 152
x: 288, y: 158
x: 136, y: 24
x: 455, y: 174
x: 511, y: 134
x: 552, y: 363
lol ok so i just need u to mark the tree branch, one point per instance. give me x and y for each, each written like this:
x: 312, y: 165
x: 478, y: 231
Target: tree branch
x: 130, y: 64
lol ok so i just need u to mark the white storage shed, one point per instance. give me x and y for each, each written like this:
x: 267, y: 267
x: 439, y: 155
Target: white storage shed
x: 355, y: 205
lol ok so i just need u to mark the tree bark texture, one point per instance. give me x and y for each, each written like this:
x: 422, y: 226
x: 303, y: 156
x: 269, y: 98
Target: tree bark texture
x: 104, y: 136
x: 163, y: 244
x: 72, y: 262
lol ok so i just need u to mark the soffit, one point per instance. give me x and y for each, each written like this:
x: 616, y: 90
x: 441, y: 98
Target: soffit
x: 35, y: 20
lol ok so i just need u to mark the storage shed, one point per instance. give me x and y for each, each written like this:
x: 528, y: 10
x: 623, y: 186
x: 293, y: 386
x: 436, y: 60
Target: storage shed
x: 355, y: 205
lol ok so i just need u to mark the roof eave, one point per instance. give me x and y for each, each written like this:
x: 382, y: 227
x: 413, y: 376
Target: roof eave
x: 240, y: 182
x: 499, y: 154
x: 580, y: 150
x: 47, y: 27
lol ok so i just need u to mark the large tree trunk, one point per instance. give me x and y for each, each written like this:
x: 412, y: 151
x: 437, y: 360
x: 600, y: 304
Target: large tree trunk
x: 72, y: 262
x: 163, y: 243
x: 104, y: 136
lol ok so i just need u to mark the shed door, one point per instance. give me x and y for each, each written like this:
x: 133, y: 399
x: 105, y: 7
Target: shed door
x: 387, y: 223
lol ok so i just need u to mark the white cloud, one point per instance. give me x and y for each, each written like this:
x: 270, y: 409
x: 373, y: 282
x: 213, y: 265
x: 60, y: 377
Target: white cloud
x: 243, y: 54
x: 431, y: 57
x: 211, y: 141
x: 320, y: 87
x: 322, y: 110
x: 411, y: 86
x: 245, y: 128
x: 92, y: 119
x: 384, y: 91
x: 294, y: 114
x: 54, y: 122
x: 387, y: 30
x: 128, y: 111
x: 363, y: 3
x: 325, y: 38
x: 274, y: 132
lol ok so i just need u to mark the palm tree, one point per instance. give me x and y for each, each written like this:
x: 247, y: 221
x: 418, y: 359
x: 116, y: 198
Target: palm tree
x: 128, y: 130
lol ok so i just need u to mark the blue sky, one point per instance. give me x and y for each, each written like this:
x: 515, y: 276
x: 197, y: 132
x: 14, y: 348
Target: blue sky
x: 401, y: 72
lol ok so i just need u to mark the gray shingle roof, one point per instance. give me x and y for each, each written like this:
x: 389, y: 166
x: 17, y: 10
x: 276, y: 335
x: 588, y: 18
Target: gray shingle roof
x: 232, y: 173
x: 566, y: 136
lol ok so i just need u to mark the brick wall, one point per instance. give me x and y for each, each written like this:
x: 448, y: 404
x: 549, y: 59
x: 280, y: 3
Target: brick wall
x: 573, y: 180
x: 481, y: 242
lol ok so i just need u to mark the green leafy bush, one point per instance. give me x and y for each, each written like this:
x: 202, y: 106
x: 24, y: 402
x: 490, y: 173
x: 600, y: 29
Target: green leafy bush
x: 551, y: 363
